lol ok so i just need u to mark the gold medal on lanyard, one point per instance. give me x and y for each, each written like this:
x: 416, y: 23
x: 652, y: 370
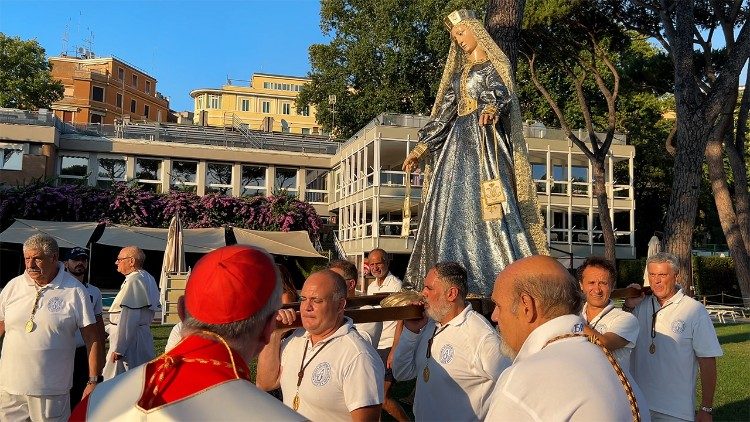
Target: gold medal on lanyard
x: 426, y: 370
x: 426, y: 373
x: 30, y: 324
x: 295, y: 402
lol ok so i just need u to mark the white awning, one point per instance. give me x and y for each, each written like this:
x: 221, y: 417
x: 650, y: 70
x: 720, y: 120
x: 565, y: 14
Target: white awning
x: 71, y: 234
x: 295, y: 243
x: 67, y: 234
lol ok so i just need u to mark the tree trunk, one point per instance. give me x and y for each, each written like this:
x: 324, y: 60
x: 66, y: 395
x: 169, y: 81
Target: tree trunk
x: 690, y: 140
x: 600, y: 192
x: 727, y: 217
x: 503, y: 21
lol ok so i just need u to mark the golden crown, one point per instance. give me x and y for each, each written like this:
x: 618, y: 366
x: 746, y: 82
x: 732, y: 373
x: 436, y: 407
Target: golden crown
x: 456, y: 17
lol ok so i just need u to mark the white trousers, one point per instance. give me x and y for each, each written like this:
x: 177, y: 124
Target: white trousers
x: 16, y: 408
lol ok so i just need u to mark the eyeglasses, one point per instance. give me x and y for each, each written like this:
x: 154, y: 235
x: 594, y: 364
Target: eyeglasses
x: 120, y: 259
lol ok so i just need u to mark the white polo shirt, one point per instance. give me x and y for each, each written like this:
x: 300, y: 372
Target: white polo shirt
x: 41, y: 362
x: 95, y: 295
x: 465, y: 362
x: 615, y: 320
x: 391, y: 284
x: 345, y: 374
x: 570, y: 379
x: 684, y: 332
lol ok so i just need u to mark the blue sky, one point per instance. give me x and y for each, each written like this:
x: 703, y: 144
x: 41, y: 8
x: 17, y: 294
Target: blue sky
x: 184, y: 44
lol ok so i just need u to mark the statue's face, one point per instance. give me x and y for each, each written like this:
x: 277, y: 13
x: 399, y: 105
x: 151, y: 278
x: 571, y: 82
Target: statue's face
x: 465, y: 38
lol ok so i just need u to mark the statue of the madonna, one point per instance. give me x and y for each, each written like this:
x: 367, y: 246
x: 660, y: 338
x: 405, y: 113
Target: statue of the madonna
x: 480, y: 208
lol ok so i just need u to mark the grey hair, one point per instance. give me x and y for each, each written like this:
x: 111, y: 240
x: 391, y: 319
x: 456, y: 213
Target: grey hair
x: 42, y: 242
x: 138, y: 256
x: 237, y: 331
x: 453, y: 274
x: 386, y: 255
x: 557, y: 294
x: 663, y: 257
x: 349, y: 269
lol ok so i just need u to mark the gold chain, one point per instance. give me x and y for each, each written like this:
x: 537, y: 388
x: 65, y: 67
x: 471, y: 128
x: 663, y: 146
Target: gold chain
x: 616, y: 366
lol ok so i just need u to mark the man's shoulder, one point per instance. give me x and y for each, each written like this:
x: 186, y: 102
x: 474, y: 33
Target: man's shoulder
x: 478, y: 324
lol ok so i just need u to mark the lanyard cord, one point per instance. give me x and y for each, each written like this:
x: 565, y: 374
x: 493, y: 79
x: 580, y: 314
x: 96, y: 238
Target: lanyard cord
x: 434, y: 334
x: 303, y: 365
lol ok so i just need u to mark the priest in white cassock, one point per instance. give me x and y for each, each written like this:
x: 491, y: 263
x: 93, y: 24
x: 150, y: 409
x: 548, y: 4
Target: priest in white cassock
x: 130, y: 340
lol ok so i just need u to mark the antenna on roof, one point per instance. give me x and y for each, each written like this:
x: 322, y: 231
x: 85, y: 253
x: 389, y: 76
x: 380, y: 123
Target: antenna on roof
x: 65, y: 39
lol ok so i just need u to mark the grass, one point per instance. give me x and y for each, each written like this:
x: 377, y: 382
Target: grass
x: 731, y: 403
x: 732, y: 399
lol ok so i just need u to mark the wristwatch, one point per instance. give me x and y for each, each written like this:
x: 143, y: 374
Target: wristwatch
x: 96, y: 379
x: 707, y: 409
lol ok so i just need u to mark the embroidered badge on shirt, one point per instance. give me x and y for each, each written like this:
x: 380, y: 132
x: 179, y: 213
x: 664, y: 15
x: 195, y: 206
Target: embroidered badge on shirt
x: 578, y: 327
x: 602, y: 328
x: 55, y: 304
x: 678, y: 326
x: 446, y: 354
x: 322, y: 374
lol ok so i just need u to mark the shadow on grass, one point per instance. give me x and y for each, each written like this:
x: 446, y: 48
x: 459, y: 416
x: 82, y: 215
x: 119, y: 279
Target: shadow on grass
x: 736, y: 411
x: 737, y: 337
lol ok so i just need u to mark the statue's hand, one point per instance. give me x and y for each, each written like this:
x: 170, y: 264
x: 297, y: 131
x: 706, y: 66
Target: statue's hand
x: 410, y: 163
x: 487, y: 119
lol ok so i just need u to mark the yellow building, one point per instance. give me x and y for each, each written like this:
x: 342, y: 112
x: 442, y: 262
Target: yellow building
x: 268, y: 103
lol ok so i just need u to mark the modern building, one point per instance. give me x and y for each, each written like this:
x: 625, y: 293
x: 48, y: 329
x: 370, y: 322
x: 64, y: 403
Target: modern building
x: 268, y: 103
x: 104, y: 90
x: 357, y: 186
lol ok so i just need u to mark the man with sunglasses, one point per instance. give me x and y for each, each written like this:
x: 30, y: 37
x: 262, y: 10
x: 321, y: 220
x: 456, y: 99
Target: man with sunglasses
x: 454, y: 354
x: 130, y: 340
x: 676, y: 338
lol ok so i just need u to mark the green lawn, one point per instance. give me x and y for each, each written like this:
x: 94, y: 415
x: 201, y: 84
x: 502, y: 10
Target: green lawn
x: 732, y: 401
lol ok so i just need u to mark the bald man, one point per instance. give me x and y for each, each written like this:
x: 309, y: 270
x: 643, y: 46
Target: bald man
x: 132, y: 311
x: 326, y: 370
x: 557, y: 373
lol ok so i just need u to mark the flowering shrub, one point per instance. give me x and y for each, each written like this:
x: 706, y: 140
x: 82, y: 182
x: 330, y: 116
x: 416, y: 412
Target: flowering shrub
x: 134, y: 205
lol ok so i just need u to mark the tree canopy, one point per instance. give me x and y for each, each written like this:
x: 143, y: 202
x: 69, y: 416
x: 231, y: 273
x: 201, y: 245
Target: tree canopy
x: 384, y: 56
x: 25, y: 78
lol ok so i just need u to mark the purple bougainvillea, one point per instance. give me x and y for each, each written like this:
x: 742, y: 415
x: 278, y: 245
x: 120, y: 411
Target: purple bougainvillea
x: 134, y: 205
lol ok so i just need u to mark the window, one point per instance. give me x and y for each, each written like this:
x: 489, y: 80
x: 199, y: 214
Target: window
x: 244, y: 104
x: 135, y: 81
x: 219, y: 178
x: 286, y: 108
x: 132, y: 106
x: 267, y: 85
x: 118, y: 100
x: 145, y: 110
x: 96, y: 118
x: 304, y: 111
x: 111, y: 170
x: 266, y: 106
x: 184, y: 175
x: 148, y: 173
x: 73, y: 169
x: 199, y: 102
x: 11, y: 157
x: 253, y: 180
x: 97, y: 93
x: 580, y: 179
x: 214, y: 101
x: 286, y: 180
x: 120, y: 73
x: 148, y: 87
x: 316, y: 190
x: 305, y: 130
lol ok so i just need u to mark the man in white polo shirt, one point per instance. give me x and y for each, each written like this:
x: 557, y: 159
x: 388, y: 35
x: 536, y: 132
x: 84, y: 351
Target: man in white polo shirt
x: 670, y: 350
x: 370, y: 330
x: 385, y: 282
x: 326, y: 370
x: 616, y: 329
x: 455, y: 354
x: 77, y: 265
x: 557, y: 373
x: 40, y: 312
